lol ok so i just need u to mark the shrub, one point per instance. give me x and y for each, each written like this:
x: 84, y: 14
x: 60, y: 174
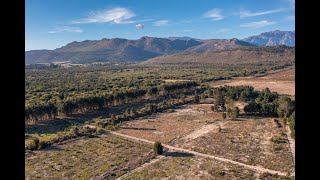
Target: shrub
x: 34, y: 144
x: 158, y: 148
x: 42, y: 145
x: 196, y: 99
x: 224, y: 115
x: 100, y: 131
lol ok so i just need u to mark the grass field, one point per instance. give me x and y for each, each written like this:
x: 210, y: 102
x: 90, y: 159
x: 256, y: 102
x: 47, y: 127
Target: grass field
x: 110, y: 156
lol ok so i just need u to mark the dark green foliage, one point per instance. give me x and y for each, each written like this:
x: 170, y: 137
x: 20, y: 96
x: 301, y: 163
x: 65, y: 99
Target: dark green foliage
x: 158, y: 148
x: 252, y: 107
x: 292, y: 125
x: 285, y: 106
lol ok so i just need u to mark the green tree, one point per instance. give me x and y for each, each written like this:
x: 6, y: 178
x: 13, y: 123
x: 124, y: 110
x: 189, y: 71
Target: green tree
x: 285, y: 106
x: 158, y: 148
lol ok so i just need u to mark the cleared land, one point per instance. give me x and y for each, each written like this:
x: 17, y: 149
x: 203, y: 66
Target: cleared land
x: 195, y: 127
x: 246, y: 140
x: 185, y: 166
x: 165, y: 127
x: 282, y: 82
x: 106, y: 157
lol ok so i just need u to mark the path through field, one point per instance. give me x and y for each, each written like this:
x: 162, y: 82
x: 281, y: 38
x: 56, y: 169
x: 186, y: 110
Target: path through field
x: 256, y: 168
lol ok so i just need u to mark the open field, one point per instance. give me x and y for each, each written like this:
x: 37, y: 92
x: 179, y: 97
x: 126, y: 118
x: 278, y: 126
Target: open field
x: 282, y: 82
x: 108, y: 156
x: 186, y: 166
x: 165, y: 127
x: 140, y: 107
x: 245, y: 140
x: 195, y: 127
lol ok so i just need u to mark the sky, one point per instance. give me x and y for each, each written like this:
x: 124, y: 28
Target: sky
x: 52, y: 24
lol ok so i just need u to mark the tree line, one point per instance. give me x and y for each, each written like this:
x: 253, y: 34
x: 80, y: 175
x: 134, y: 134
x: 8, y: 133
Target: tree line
x: 49, y: 110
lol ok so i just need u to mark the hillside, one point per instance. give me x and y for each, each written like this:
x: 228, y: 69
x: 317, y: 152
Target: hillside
x: 273, y: 38
x: 240, y: 55
x: 116, y: 50
x: 218, y: 44
x: 124, y: 50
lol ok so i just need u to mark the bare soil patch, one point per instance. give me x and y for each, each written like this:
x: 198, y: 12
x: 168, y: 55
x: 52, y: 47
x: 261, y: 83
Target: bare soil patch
x: 165, y: 127
x: 282, y: 82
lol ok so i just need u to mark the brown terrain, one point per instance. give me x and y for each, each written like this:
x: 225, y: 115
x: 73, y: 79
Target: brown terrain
x: 282, y: 82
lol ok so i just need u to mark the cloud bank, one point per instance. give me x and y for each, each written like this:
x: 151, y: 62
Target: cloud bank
x: 117, y: 15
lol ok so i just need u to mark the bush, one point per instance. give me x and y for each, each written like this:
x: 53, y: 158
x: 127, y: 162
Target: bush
x: 100, y: 131
x: 158, y: 148
x: 34, y: 144
x: 42, y: 145
x: 224, y: 115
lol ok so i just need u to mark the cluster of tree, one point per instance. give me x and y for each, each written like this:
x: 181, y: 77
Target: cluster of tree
x: 292, y: 126
x: 130, y: 113
x: 271, y: 104
x: 81, y: 104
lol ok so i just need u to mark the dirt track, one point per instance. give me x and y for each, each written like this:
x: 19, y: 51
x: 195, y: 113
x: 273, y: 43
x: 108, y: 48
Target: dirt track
x: 260, y: 169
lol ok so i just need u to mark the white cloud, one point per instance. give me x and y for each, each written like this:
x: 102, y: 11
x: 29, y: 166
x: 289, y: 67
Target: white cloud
x: 244, y: 14
x: 214, y: 14
x: 66, y: 29
x: 117, y: 15
x: 258, y: 24
x: 160, y: 23
x: 140, y: 26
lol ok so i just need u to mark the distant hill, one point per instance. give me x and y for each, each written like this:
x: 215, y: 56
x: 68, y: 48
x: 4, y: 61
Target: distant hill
x: 218, y: 44
x: 241, y: 55
x: 273, y: 38
x: 111, y: 50
x: 124, y: 50
x: 183, y: 38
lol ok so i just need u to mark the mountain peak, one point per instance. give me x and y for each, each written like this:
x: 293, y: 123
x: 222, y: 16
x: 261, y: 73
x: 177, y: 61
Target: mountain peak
x: 273, y: 38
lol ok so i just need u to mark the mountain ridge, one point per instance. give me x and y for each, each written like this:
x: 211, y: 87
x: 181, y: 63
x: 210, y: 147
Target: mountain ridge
x: 144, y: 48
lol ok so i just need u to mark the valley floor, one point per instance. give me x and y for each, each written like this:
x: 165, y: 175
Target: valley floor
x: 282, y: 82
x: 194, y: 148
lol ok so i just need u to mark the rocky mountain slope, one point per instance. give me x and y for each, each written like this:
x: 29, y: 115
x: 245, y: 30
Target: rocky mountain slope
x: 273, y: 38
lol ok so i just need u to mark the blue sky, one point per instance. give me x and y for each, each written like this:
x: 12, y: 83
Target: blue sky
x: 52, y: 24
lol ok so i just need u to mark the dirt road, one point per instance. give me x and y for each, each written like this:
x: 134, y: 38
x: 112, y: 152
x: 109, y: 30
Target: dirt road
x: 256, y: 168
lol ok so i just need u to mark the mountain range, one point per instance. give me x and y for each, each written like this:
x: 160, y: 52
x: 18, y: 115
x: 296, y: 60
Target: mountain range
x: 124, y: 50
x: 273, y: 38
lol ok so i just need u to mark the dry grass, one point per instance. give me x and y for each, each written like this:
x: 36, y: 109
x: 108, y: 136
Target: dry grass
x: 165, y: 127
x: 195, y: 168
x: 86, y: 158
x: 245, y: 140
x: 282, y: 82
